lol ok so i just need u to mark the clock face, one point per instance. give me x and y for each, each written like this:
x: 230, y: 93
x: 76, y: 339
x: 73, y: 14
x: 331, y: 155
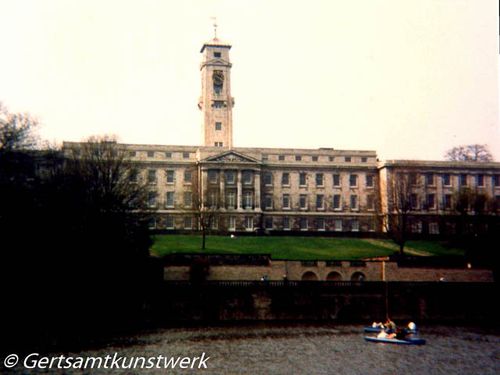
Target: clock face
x: 218, y: 77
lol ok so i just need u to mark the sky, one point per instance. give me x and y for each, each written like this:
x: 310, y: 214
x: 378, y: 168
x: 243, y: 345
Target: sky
x: 408, y: 79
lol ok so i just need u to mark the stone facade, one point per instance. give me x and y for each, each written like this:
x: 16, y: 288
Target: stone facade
x: 285, y: 189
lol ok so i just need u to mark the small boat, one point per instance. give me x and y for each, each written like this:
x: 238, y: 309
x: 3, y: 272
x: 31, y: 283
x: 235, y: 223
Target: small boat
x: 377, y: 329
x: 405, y: 341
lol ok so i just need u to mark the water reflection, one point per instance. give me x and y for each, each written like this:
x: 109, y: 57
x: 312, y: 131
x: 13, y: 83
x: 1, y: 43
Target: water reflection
x: 313, y: 349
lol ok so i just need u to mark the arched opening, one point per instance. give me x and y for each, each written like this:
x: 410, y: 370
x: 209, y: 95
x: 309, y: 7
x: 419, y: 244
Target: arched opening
x: 334, y: 276
x: 358, y: 276
x: 309, y: 276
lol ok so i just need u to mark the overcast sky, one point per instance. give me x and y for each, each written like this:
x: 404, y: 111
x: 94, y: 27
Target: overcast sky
x: 409, y: 79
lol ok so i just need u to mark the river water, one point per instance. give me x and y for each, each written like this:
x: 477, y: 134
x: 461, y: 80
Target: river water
x: 309, y: 349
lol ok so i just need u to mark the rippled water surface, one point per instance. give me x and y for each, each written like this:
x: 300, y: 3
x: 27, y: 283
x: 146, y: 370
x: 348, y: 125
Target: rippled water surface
x: 313, y: 349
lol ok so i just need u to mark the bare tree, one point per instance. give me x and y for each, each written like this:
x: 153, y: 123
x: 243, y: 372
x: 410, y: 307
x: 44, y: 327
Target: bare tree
x: 17, y: 130
x: 206, y: 204
x: 474, y: 152
x: 401, y: 200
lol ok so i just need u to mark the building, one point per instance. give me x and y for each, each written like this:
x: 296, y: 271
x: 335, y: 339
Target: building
x: 283, y: 189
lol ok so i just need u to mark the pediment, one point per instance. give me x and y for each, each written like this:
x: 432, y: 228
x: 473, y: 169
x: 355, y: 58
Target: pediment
x: 220, y: 62
x: 231, y: 157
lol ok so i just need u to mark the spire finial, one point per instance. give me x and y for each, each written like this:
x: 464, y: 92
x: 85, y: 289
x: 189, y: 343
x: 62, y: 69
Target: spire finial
x: 215, y: 27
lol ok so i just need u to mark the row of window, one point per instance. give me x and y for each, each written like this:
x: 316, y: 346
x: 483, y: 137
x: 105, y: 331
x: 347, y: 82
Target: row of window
x: 319, y: 179
x: 430, y: 202
x: 167, y: 154
x: 463, y: 179
x: 269, y: 223
x: 347, y: 159
x: 320, y: 202
x: 170, y: 199
x: 170, y: 174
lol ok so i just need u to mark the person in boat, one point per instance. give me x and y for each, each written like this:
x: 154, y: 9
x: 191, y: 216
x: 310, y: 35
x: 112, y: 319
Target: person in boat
x: 390, y: 326
x: 412, y: 327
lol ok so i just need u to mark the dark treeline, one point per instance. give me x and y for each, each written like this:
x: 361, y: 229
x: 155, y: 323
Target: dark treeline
x: 74, y: 241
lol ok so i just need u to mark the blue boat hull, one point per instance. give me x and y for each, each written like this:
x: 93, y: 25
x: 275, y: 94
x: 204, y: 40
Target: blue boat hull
x: 406, y: 341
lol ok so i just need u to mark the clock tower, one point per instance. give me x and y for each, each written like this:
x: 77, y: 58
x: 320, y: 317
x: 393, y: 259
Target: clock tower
x: 216, y: 102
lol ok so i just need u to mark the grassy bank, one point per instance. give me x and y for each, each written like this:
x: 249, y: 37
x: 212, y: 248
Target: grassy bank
x: 296, y: 247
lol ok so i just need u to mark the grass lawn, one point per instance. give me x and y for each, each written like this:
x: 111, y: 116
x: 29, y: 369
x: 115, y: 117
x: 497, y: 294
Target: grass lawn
x: 303, y: 248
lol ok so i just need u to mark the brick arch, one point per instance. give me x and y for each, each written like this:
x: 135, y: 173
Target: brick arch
x: 309, y: 276
x: 334, y: 276
x: 358, y: 276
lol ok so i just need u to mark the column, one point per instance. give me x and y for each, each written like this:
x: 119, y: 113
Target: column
x: 257, y: 190
x: 222, y: 190
x: 238, y: 195
x: 203, y: 189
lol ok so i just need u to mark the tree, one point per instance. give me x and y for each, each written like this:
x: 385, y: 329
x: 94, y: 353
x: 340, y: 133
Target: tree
x: 206, y: 204
x: 400, y: 201
x: 474, y: 152
x: 17, y: 131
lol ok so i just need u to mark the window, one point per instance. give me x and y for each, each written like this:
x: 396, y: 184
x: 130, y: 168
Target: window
x: 354, y: 202
x: 353, y: 180
x: 213, y: 198
x: 446, y: 179
x: 463, y: 180
x: 347, y: 159
x: 433, y: 228
x: 286, y: 223
x: 214, y: 223
x: 331, y: 158
x: 429, y: 179
x: 152, y: 223
x: 152, y: 176
x: 281, y: 157
x: 298, y: 157
x: 218, y: 104
x: 169, y: 199
x: 188, y: 199
x: 414, y: 201
x: 286, y: 201
x: 303, y: 201
x: 218, y: 126
x: 314, y: 158
x: 247, y: 177
x: 268, y: 179
x: 320, y: 223
x: 248, y: 223
x: 265, y: 157
x: 170, y: 176
x: 132, y: 154
x: 336, y: 180
x: 336, y: 201
x: 431, y: 201
x: 319, y: 202
x: 354, y: 226
x: 133, y: 175
x: 188, y: 222
x: 152, y: 199
x: 169, y: 222
x: 218, y: 144
x: 230, y: 177
x: 217, y: 54
x: 231, y: 199
x: 416, y: 227
x: 369, y: 180
x: 302, y: 179
x: 370, y: 202
x: 337, y: 225
x: 168, y: 155
x: 319, y: 179
x: 232, y: 223
x: 480, y: 180
x: 413, y: 179
x: 364, y: 159
x: 247, y: 199
x: 187, y: 177
x: 268, y: 223
x: 447, y: 201
x: 268, y: 201
x: 285, y: 179
x: 303, y: 223
x: 496, y: 180
x: 151, y: 154
x: 212, y: 176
